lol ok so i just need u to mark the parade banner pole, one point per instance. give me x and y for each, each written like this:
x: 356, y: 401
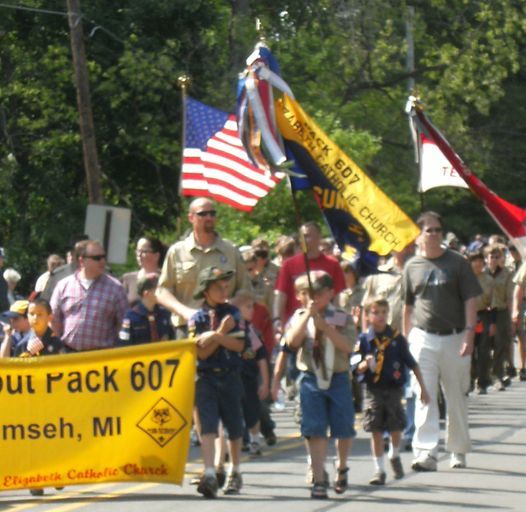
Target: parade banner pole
x: 184, y: 82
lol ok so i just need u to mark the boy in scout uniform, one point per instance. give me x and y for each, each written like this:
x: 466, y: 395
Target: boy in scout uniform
x: 146, y: 321
x: 220, y: 340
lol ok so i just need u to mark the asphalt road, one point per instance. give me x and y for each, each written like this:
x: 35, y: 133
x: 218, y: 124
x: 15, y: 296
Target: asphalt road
x: 493, y: 480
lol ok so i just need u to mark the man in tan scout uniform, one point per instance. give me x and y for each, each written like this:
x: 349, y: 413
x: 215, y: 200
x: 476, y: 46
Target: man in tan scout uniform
x: 202, y: 248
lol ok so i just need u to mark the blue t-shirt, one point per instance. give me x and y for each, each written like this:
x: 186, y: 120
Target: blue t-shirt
x: 18, y: 338
x: 52, y: 345
x: 199, y: 323
x: 396, y: 357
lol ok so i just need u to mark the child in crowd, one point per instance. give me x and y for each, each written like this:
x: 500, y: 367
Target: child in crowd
x: 220, y: 340
x: 324, y: 338
x: 385, y: 354
x: 40, y: 342
x: 16, y: 327
x: 254, y: 371
x: 147, y: 320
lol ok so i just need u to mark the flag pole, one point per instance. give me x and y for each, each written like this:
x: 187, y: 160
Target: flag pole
x: 184, y: 82
x: 298, y: 220
x: 297, y: 214
x: 411, y: 85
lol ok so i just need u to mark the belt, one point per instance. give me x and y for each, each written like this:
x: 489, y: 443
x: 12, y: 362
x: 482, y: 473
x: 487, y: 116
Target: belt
x: 216, y: 371
x: 446, y: 332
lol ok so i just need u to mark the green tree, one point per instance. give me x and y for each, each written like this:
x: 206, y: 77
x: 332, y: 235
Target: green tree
x: 344, y: 59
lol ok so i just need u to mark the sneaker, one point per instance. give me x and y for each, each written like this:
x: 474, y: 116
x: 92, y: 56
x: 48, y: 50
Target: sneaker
x: 208, y: 486
x: 506, y: 381
x: 319, y: 491
x: 234, y: 482
x: 36, y: 492
x: 398, y: 470
x: 220, y: 475
x: 522, y: 374
x: 271, y: 439
x: 511, y: 371
x: 458, y: 460
x: 254, y: 449
x: 378, y: 478
x: 425, y: 463
x: 482, y: 391
x: 340, y: 481
x: 499, y: 386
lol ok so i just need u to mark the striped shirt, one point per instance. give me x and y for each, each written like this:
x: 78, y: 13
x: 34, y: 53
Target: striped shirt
x: 88, y: 318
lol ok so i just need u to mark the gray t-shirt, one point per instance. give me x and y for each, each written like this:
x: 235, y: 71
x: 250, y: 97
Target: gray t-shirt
x: 438, y: 288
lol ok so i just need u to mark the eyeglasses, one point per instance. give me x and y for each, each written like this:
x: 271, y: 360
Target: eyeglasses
x: 96, y: 257
x: 206, y: 213
x: 433, y: 230
x: 143, y: 251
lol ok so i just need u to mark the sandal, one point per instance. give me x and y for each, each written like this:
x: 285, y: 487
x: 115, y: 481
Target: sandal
x: 319, y: 491
x: 340, y: 483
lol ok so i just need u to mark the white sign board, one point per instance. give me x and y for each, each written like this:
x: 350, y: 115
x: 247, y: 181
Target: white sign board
x: 110, y: 226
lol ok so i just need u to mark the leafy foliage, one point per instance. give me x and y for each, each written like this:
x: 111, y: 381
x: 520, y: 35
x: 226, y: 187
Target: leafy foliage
x: 344, y: 59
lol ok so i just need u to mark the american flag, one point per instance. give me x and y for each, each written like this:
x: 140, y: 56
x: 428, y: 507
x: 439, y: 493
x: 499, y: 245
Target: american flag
x: 214, y: 162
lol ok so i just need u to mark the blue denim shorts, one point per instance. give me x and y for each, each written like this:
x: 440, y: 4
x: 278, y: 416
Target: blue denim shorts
x: 218, y: 397
x: 324, y: 408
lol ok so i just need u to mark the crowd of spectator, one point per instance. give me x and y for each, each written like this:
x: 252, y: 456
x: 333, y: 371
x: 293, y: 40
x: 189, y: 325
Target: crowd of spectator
x: 266, y: 317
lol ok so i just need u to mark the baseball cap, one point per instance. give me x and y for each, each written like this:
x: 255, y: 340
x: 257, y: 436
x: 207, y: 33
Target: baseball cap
x: 18, y: 308
x: 209, y: 275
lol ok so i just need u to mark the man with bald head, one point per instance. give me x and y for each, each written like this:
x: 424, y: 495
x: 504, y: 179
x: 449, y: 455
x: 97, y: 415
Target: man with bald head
x: 202, y: 248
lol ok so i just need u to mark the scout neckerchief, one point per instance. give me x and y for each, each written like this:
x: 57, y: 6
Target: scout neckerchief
x: 381, y: 343
x: 323, y: 350
x: 154, y: 332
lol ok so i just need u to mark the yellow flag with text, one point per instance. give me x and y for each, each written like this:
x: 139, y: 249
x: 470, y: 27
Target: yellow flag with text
x: 111, y: 415
x: 388, y: 227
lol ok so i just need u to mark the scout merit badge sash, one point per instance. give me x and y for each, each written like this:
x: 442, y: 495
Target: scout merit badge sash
x: 381, y: 343
x: 323, y: 350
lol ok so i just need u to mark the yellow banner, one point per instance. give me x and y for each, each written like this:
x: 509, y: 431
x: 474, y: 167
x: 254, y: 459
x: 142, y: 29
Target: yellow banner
x: 389, y: 228
x: 112, y: 415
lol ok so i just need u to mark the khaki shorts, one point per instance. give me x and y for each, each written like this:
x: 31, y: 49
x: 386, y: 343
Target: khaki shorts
x: 384, y: 410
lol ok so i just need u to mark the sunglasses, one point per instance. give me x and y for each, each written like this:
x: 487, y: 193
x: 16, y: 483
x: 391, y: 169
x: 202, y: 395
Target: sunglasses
x: 206, y: 213
x: 433, y: 230
x: 96, y: 257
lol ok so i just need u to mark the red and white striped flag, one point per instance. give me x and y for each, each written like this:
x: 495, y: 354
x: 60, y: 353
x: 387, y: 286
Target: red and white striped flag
x: 435, y: 169
x: 510, y: 218
x: 215, y: 163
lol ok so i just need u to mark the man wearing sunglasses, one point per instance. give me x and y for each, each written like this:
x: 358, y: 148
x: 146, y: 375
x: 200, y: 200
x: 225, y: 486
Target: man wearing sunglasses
x: 440, y: 312
x: 89, y: 305
x: 185, y: 259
